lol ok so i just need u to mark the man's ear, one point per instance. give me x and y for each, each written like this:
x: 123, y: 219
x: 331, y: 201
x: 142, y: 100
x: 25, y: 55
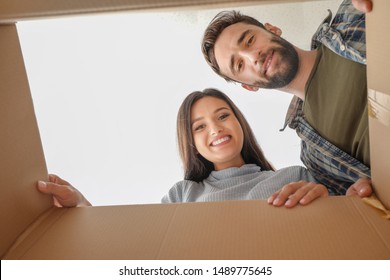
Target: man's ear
x: 250, y: 88
x: 274, y: 29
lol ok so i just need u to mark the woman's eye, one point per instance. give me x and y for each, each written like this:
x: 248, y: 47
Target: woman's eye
x: 199, y: 127
x: 224, y: 116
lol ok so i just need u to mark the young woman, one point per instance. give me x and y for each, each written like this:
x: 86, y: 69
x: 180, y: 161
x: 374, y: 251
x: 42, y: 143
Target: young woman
x: 222, y: 161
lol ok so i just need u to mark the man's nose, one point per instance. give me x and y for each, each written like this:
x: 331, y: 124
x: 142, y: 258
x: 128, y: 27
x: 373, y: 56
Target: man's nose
x: 251, y: 55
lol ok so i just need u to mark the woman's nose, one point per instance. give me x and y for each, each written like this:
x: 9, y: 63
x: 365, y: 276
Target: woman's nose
x: 215, y: 129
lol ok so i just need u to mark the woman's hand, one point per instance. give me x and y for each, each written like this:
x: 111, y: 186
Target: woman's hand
x: 64, y: 194
x: 294, y: 193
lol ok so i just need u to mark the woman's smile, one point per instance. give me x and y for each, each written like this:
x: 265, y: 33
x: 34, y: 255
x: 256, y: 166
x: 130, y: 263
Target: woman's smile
x: 220, y: 140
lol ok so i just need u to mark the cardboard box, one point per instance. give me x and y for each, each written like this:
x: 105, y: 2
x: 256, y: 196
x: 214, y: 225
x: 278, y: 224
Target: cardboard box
x: 31, y: 228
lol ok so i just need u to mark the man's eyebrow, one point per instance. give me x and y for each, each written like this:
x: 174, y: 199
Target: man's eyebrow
x: 231, y: 66
x: 239, y: 41
x: 243, y: 35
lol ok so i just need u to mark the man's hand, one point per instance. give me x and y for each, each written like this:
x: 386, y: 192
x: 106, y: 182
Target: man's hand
x: 294, y: 193
x: 64, y: 194
x: 363, y: 5
x: 362, y: 188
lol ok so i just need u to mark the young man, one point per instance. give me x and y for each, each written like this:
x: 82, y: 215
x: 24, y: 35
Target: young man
x: 329, y: 108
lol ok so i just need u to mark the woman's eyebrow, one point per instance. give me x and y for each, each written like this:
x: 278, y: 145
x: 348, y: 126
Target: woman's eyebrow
x: 221, y: 108
x: 195, y: 120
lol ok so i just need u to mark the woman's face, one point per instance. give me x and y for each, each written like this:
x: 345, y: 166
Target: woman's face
x: 217, y: 133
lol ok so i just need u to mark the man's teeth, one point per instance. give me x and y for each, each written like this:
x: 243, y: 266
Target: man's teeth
x: 219, y: 141
x: 269, y: 62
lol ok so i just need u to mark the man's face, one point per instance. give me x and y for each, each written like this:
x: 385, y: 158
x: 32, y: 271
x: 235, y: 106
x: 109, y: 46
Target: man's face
x: 255, y: 57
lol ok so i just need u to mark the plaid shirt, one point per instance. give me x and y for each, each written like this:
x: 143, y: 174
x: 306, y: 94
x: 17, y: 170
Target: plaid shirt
x: 330, y: 166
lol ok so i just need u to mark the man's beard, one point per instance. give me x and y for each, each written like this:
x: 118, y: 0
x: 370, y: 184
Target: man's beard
x: 290, y: 64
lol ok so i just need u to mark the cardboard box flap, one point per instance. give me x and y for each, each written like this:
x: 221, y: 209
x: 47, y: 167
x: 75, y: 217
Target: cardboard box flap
x: 378, y: 44
x: 16, y: 10
x: 22, y: 162
x: 330, y: 228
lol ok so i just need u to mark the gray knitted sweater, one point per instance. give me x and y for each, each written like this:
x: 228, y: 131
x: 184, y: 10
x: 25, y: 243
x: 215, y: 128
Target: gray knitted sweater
x: 236, y: 183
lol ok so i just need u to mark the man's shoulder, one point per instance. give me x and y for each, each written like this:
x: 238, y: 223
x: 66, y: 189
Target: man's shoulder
x: 345, y: 35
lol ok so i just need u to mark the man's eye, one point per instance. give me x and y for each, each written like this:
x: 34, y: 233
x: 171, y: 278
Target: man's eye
x: 250, y: 41
x: 240, y: 65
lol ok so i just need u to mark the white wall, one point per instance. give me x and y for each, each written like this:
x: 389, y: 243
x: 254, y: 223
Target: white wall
x: 107, y: 88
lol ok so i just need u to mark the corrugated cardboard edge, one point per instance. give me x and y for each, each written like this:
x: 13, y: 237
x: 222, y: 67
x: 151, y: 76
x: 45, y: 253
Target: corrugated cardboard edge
x: 377, y: 204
